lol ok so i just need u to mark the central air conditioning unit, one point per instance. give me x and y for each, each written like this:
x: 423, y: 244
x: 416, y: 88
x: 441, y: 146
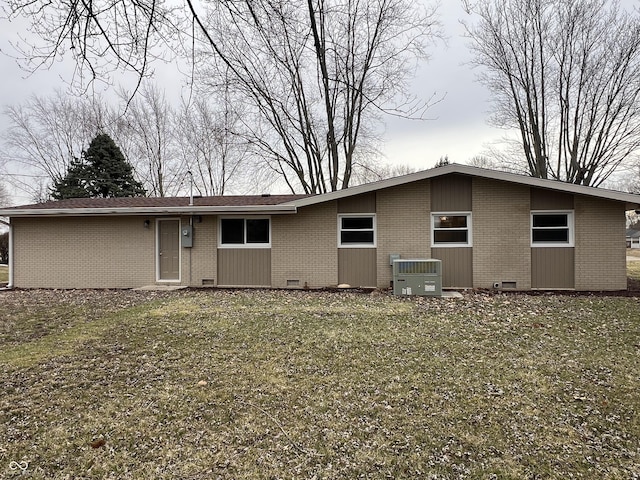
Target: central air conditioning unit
x: 417, y: 277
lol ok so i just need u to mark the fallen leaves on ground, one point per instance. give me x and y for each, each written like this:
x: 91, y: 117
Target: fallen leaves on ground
x: 291, y: 384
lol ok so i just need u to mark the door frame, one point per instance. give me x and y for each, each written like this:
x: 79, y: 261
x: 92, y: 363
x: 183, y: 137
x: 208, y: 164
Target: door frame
x: 157, y: 254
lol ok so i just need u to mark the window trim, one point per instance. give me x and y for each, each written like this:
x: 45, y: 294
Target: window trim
x: 469, y: 229
x: 244, y: 244
x: 357, y: 245
x: 570, y: 227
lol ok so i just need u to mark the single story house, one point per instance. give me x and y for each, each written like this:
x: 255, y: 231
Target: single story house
x: 633, y: 238
x: 490, y: 229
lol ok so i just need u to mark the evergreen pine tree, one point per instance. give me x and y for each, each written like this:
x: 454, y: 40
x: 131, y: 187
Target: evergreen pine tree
x: 73, y: 184
x: 103, y: 172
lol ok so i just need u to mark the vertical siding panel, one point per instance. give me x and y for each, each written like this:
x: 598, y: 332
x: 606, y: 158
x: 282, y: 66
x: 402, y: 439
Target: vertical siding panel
x: 542, y: 199
x: 357, y: 267
x: 457, y: 266
x: 552, y: 267
x: 451, y: 193
x: 244, y: 267
x: 364, y: 203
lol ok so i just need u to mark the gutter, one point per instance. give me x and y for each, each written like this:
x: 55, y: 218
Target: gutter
x: 10, y: 284
x: 125, y: 211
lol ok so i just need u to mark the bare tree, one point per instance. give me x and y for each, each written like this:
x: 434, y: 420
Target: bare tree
x: 312, y: 75
x: 146, y: 131
x: 375, y: 171
x: 210, y: 148
x: 46, y: 133
x: 4, y: 196
x: 566, y: 75
x: 316, y: 76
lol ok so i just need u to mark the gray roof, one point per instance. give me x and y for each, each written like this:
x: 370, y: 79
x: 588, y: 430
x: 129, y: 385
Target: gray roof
x: 282, y: 204
x: 633, y: 233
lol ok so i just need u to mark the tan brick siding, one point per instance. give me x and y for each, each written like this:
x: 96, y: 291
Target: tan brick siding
x: 402, y: 225
x: 199, y: 262
x: 70, y: 252
x: 119, y: 252
x: 304, y: 246
x: 501, y: 240
x: 600, y: 246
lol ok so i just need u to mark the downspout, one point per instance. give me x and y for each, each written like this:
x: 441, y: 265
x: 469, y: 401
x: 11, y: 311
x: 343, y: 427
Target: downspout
x: 8, y: 224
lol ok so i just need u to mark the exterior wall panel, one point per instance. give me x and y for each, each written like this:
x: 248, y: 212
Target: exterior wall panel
x: 83, y: 252
x: 402, y: 219
x: 357, y: 266
x: 542, y: 199
x: 599, y: 244
x: 457, y: 266
x: 501, y: 239
x: 365, y: 203
x: 552, y: 267
x: 246, y: 267
x: 451, y: 193
x: 304, y: 247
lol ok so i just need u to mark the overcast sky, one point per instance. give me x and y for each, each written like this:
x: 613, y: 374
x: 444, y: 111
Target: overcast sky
x: 457, y: 127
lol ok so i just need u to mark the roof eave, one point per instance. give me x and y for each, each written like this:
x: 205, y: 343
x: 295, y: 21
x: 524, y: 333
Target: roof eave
x: 129, y: 211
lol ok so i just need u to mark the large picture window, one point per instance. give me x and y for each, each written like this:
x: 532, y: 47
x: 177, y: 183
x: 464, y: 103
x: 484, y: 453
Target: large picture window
x: 357, y: 230
x: 552, y: 229
x: 451, y: 229
x: 245, y: 232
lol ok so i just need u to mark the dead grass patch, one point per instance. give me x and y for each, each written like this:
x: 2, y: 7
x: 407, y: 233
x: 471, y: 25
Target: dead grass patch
x: 262, y: 384
x: 633, y: 252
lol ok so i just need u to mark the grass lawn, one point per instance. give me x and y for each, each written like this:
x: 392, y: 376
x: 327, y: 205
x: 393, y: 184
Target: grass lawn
x: 261, y: 384
x: 4, y: 274
x: 633, y: 269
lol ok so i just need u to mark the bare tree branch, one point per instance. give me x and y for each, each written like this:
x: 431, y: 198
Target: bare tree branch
x: 566, y: 74
x: 313, y: 78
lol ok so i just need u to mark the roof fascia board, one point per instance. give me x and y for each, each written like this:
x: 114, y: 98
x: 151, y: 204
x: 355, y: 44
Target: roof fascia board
x: 631, y: 200
x: 127, y: 211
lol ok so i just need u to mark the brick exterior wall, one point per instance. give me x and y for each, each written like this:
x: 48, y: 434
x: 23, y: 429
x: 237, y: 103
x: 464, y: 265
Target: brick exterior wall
x: 501, y: 239
x: 200, y: 261
x: 118, y: 252
x: 98, y: 252
x: 600, y: 244
x: 304, y: 246
x: 403, y: 225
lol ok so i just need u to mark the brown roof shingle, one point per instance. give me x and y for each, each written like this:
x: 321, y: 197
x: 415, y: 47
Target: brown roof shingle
x: 151, y: 202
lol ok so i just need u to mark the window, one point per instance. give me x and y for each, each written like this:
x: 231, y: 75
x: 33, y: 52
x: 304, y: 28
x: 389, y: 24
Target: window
x: 357, y: 230
x: 245, y: 232
x: 451, y: 229
x: 552, y: 229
